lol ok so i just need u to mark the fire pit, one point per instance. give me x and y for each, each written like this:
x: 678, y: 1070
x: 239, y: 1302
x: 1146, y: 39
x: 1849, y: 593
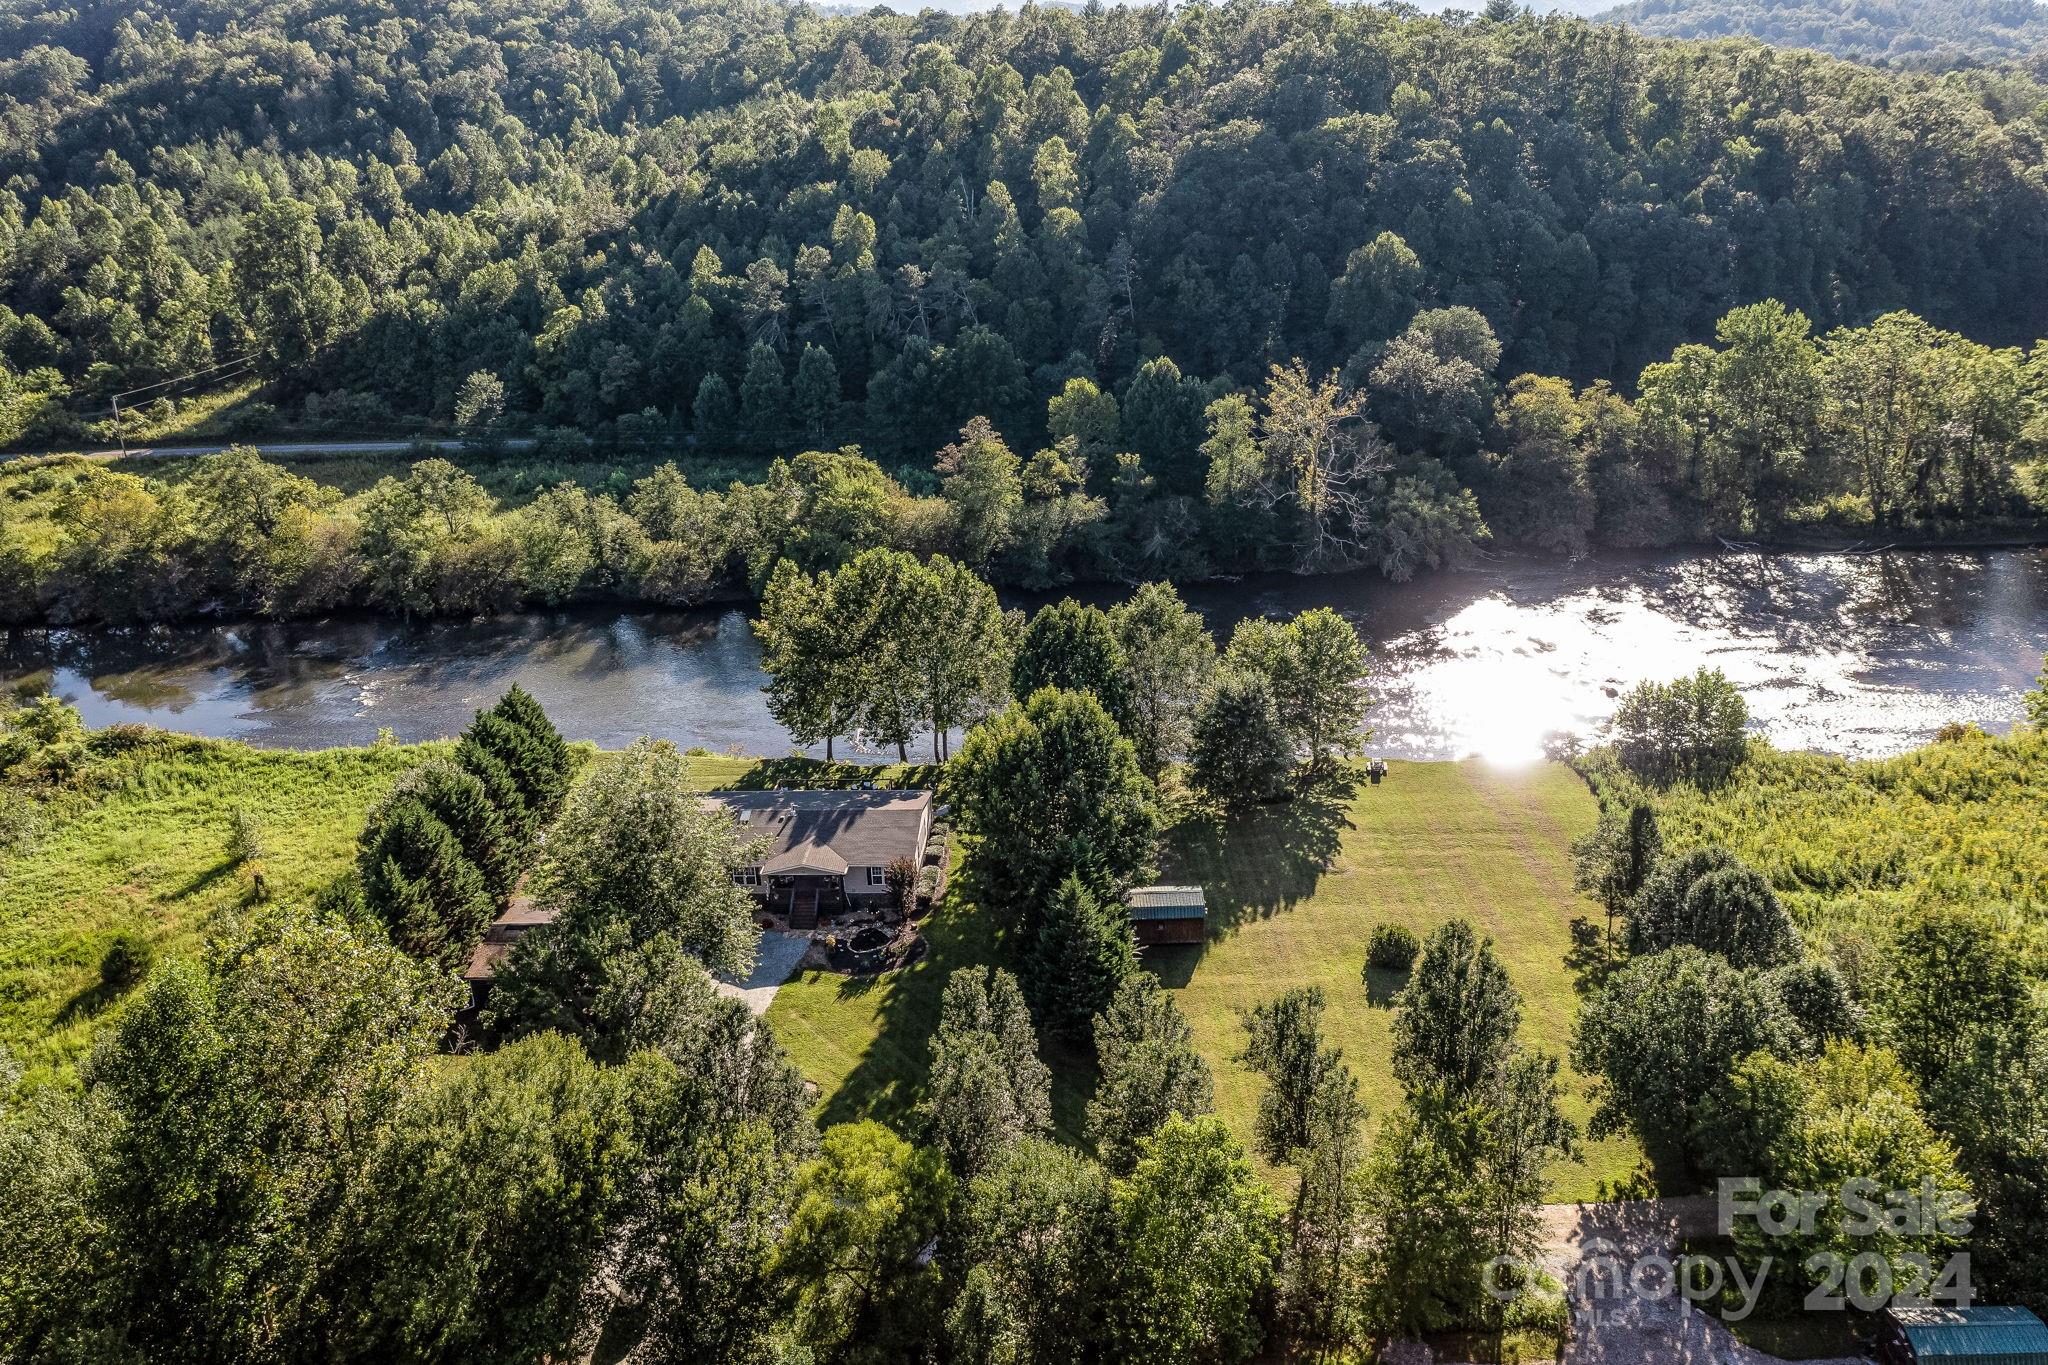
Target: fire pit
x: 867, y: 944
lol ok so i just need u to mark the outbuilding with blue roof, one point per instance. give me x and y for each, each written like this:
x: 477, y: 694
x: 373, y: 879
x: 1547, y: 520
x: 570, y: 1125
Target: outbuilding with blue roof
x: 1963, y: 1336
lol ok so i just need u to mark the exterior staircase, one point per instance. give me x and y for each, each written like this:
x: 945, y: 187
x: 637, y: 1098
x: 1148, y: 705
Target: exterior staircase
x: 803, y: 909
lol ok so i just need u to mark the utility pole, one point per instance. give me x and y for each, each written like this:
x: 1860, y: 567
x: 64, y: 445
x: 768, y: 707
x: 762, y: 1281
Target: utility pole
x: 236, y: 367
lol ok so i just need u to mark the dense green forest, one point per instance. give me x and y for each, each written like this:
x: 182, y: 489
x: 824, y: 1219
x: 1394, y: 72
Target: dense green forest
x: 1915, y: 33
x: 925, y: 219
x: 1258, y: 286
x: 1894, y: 429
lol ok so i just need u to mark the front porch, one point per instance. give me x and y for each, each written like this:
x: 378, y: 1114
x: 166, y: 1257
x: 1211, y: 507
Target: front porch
x: 802, y: 899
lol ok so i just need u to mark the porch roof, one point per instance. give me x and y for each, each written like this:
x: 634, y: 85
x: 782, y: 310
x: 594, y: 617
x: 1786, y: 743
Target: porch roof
x: 806, y: 857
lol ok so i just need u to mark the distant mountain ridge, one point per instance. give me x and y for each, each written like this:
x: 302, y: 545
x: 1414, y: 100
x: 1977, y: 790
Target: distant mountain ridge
x: 1918, y: 33
x: 1911, y: 33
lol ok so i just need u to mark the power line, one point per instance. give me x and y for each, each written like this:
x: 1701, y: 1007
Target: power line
x: 241, y: 360
x: 179, y: 379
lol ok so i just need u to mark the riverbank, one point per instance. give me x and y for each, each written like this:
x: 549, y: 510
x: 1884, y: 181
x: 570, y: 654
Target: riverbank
x: 532, y: 524
x: 1864, y: 655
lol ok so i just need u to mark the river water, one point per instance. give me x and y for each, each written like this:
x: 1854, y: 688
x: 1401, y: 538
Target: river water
x: 1854, y: 654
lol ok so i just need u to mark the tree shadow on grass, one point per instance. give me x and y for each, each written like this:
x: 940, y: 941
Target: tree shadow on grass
x: 1382, y: 985
x: 802, y: 774
x: 1590, y: 959
x: 888, y: 1078
x: 1255, y: 863
x: 206, y: 878
x: 88, y: 1003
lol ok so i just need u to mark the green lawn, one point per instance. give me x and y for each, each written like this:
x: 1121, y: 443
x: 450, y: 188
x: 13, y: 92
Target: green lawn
x: 1294, y: 893
x: 148, y: 852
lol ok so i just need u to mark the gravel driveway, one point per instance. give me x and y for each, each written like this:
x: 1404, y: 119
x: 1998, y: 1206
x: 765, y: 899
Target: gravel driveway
x: 773, y: 964
x: 1615, y: 1322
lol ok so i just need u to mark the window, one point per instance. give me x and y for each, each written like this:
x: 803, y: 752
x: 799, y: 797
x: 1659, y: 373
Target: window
x: 876, y: 877
x: 748, y: 876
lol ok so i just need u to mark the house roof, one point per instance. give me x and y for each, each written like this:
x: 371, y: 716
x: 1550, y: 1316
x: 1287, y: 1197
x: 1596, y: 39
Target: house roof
x: 507, y: 929
x: 1167, y: 902
x: 806, y: 857
x: 1978, y: 1336
x: 827, y: 832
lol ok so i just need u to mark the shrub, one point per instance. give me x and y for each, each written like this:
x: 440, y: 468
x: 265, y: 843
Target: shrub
x: 1393, y: 948
x: 901, y: 876
x: 126, y: 961
x: 245, y: 837
x: 122, y: 737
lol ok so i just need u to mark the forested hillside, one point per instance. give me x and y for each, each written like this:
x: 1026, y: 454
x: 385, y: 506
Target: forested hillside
x: 605, y: 205
x: 1267, y: 286
x: 1916, y: 33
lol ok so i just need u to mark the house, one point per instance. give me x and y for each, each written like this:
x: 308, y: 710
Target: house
x: 1168, y: 914
x: 506, y: 930
x: 1962, y: 1336
x: 826, y: 851
x: 484, y: 960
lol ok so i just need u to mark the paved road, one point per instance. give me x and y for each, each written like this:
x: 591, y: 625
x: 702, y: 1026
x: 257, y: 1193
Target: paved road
x: 312, y: 447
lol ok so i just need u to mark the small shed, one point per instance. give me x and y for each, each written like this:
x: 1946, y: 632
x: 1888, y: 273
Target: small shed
x: 1168, y: 914
x: 1963, y: 1336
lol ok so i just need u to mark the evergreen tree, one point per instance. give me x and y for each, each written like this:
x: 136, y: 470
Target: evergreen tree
x: 815, y: 395
x: 1150, y: 1071
x: 519, y: 736
x: 1085, y: 951
x: 503, y: 792
x: 432, y: 900
x: 1455, y: 1023
x: 714, y: 412
x: 1162, y: 420
x: 988, y: 1089
x: 460, y: 801
x: 764, y: 395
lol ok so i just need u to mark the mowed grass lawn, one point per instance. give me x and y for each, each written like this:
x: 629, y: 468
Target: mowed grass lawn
x: 1294, y: 894
x: 1294, y: 890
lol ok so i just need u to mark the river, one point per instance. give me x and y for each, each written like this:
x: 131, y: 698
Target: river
x: 1861, y: 655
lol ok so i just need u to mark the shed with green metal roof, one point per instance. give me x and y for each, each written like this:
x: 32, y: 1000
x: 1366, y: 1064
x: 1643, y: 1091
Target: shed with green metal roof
x: 1163, y: 915
x: 1963, y: 1336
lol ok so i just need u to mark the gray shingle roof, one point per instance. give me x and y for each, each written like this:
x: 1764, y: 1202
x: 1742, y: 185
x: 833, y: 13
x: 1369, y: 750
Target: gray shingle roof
x: 830, y: 831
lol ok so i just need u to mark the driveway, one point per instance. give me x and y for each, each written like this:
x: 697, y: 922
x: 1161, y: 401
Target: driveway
x: 1624, y: 1319
x: 775, y: 960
